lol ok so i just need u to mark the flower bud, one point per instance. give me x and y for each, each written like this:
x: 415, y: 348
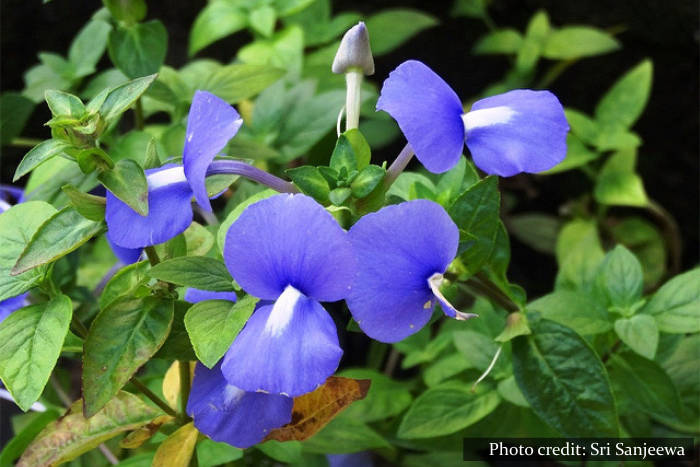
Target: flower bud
x: 354, y: 52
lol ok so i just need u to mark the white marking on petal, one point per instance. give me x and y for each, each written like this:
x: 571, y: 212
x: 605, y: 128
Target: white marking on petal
x: 487, y: 117
x: 166, y: 177
x: 4, y: 205
x: 232, y: 394
x: 435, y: 281
x: 282, y: 311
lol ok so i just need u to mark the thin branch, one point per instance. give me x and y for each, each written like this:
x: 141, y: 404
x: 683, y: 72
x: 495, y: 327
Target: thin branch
x: 153, y: 396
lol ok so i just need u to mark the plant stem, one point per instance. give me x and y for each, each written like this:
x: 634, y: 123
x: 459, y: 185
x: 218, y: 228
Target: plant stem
x: 185, y: 385
x: 79, y: 327
x: 483, y: 286
x: 612, y: 350
x: 152, y: 255
x: 252, y: 173
x: 151, y: 395
x: 672, y: 234
x: 554, y: 72
x: 25, y: 142
x: 398, y: 165
x: 391, y: 362
x: 353, y: 81
x: 138, y: 114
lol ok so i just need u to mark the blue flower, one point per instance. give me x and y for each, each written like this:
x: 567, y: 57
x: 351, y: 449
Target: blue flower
x: 197, y: 295
x: 210, y: 125
x: 402, y: 251
x: 11, y: 304
x: 231, y: 415
x: 289, y: 250
x: 519, y: 131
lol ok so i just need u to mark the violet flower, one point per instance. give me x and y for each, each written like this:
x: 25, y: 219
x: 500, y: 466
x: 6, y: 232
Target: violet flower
x: 518, y: 131
x: 210, y: 124
x: 287, y: 249
x: 402, y: 251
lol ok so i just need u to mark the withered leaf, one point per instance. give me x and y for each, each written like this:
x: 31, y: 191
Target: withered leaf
x: 177, y: 449
x: 137, y: 437
x: 314, y: 410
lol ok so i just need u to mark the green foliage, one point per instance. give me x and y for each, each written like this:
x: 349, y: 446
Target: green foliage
x: 198, y: 272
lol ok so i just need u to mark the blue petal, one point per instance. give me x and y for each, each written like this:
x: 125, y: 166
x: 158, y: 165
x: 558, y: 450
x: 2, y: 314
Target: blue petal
x: 228, y: 414
x: 519, y: 131
x: 169, y: 211
x: 197, y: 295
x: 125, y: 255
x: 212, y: 122
x: 287, y: 348
x: 289, y: 240
x: 11, y: 304
x: 428, y: 112
x: 356, y: 459
x: 399, y: 248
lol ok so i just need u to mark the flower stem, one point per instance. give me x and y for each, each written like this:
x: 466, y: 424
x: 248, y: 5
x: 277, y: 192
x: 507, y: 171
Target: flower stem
x: 398, y: 165
x: 138, y: 114
x: 353, y: 81
x: 25, y: 142
x: 185, y: 384
x: 252, y: 173
x: 152, y: 255
x: 151, y: 395
x: 671, y: 233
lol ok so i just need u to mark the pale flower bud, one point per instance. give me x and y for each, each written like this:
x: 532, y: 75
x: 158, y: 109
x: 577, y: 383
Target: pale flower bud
x: 354, y: 52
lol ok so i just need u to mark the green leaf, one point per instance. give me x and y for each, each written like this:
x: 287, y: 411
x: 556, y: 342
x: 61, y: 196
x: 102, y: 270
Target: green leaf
x: 89, y: 206
x: 640, y: 333
x: 475, y: 212
x: 538, y: 29
x: 470, y: 8
x: 73, y: 434
x: 310, y: 181
x: 509, y: 390
x: 618, y: 184
x: 15, y: 110
x: 537, y: 230
x: 212, y: 454
x: 574, y: 309
x: 213, y: 325
x: 56, y: 237
x: 444, y: 368
x: 564, y: 381
x: 64, y: 104
x: 388, y: 29
x: 367, y: 180
x: 403, y: 186
x: 645, y: 241
x: 88, y: 46
x: 284, y: 50
x: 128, y: 281
x: 676, y: 305
x: 128, y: 11
x: 578, y: 252
x: 681, y: 366
x: 138, y: 50
x: 120, y: 98
x: 385, y: 398
x: 645, y: 384
x: 578, y: 41
x: 17, y: 225
x: 216, y: 21
x: 620, y: 277
x: 123, y: 336
x: 447, y: 408
x: 233, y: 83
x: 198, y: 272
x: 263, y: 19
x: 39, y: 154
x: 178, y: 346
x: 289, y: 452
x: 18, y: 444
x: 626, y: 99
x: 500, y: 41
x: 338, y: 196
x: 479, y: 350
x: 30, y: 342
x: 344, y: 435
x: 582, y: 126
x: 199, y: 240
x: 127, y: 181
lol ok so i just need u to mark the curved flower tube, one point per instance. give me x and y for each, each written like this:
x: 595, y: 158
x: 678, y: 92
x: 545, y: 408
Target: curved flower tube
x: 273, y: 251
x: 518, y: 131
x: 210, y: 125
x: 402, y: 252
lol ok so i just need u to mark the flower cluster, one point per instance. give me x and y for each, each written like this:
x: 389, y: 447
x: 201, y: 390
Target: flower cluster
x: 291, y: 253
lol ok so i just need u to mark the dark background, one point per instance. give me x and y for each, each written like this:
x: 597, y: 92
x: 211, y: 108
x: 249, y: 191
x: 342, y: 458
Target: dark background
x: 664, y: 30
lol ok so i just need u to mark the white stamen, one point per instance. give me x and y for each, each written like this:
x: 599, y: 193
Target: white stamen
x: 435, y: 281
x: 488, y: 370
x: 487, y: 117
x: 166, y: 177
x: 282, y: 311
x: 232, y: 394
